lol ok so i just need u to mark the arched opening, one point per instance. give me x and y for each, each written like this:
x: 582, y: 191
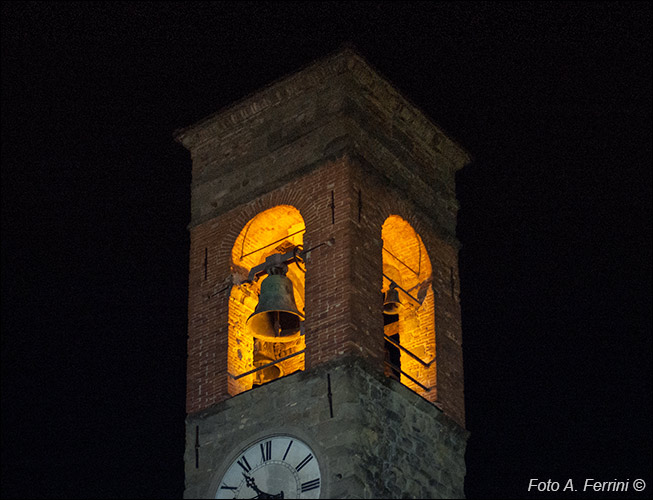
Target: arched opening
x: 252, y: 355
x: 409, y: 308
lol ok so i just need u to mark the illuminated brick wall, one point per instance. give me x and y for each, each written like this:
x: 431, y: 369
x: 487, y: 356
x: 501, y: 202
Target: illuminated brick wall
x: 343, y: 283
x: 273, y: 231
x: 217, y: 308
x: 381, y: 202
x: 406, y: 262
x: 349, y: 154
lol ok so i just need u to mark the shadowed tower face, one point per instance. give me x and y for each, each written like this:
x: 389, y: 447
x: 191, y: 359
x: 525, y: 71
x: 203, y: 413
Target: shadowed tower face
x: 323, y: 274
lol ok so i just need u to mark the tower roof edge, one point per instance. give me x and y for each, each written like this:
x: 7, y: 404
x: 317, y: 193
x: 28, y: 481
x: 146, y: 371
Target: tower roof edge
x: 346, y: 60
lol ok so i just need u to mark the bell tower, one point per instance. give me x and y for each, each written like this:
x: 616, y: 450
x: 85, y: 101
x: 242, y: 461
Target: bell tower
x: 324, y: 341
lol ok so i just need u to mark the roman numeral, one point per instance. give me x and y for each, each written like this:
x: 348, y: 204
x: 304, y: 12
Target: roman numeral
x: 225, y: 487
x: 287, y: 449
x: 308, y: 458
x: 266, y: 450
x: 311, y: 485
x: 244, y: 464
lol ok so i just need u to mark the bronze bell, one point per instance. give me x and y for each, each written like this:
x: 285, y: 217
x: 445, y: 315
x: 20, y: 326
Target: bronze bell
x: 276, y: 318
x: 391, y: 302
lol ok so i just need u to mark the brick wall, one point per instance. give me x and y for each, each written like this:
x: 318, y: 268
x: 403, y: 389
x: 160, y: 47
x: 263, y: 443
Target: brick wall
x: 342, y: 199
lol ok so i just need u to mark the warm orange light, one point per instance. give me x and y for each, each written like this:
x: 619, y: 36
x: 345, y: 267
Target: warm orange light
x: 406, y: 262
x: 273, y: 231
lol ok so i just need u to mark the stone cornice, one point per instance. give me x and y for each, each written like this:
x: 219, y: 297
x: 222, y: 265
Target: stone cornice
x: 223, y: 123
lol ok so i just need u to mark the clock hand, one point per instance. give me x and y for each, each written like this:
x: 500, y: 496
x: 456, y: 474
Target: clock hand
x: 252, y: 484
x: 260, y: 494
x: 265, y: 495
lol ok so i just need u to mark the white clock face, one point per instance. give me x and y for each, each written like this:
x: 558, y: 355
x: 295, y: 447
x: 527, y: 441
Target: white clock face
x: 273, y: 467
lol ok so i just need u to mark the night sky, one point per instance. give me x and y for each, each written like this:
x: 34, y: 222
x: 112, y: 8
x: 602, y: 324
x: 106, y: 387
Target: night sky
x: 552, y: 100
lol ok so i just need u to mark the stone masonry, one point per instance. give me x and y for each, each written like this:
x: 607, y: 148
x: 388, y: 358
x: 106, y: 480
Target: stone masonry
x: 382, y: 441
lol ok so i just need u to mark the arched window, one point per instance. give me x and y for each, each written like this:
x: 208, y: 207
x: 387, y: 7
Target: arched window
x: 279, y: 231
x: 409, y: 308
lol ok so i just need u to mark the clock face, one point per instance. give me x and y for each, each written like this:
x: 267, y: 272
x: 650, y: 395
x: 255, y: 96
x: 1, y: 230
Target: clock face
x: 273, y: 467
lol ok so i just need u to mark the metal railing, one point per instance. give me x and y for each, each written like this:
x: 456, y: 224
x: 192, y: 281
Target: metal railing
x: 396, y: 368
x: 267, y: 365
x: 412, y: 355
x: 387, y: 363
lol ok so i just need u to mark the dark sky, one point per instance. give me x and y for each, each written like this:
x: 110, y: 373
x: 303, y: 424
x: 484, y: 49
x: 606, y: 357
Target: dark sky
x: 553, y: 100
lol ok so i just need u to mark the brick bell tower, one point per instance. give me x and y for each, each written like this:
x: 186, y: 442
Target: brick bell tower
x: 324, y: 342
